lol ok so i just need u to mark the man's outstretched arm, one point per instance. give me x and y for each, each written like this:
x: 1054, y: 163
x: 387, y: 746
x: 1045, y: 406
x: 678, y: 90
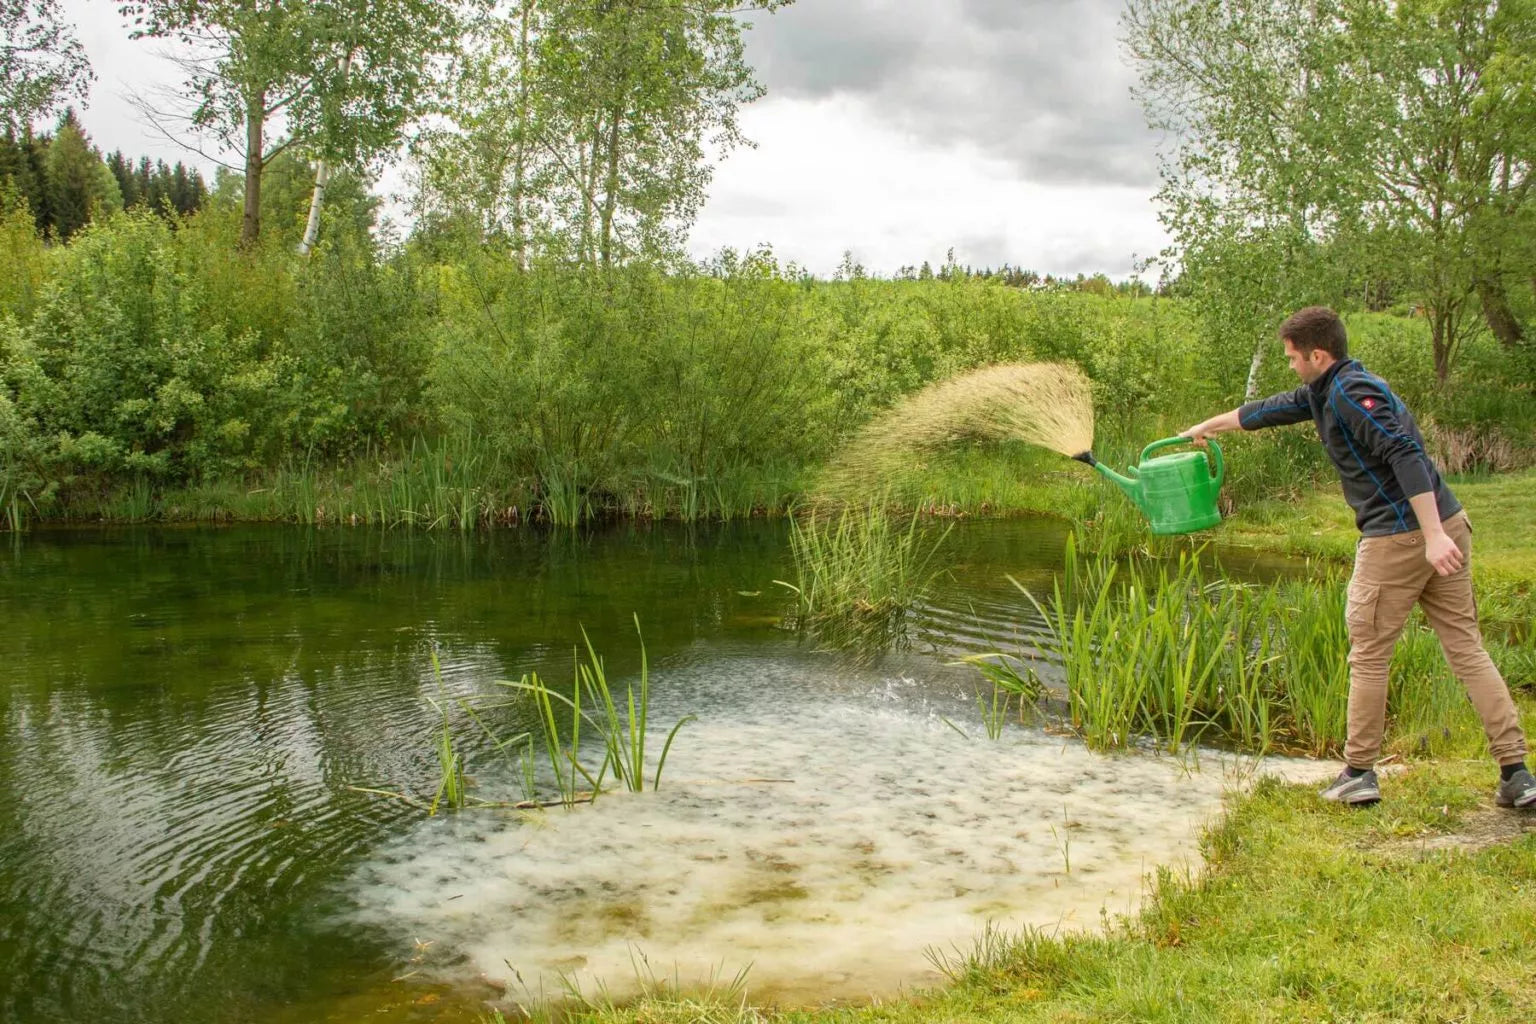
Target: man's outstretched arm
x: 1275, y: 411
x: 1215, y: 425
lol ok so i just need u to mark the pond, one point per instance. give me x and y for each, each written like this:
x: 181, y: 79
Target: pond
x: 187, y: 713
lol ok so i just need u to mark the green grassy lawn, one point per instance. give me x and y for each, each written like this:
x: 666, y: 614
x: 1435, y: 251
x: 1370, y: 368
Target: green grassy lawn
x: 1503, y: 541
x: 1500, y: 507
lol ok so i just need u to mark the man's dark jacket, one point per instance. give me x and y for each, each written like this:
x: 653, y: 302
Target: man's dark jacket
x: 1372, y: 439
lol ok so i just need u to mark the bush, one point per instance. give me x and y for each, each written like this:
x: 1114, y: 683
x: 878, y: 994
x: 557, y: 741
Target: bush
x: 147, y: 352
x: 356, y: 336
x: 22, y: 487
x: 117, y: 371
x: 588, y: 380
x: 23, y: 259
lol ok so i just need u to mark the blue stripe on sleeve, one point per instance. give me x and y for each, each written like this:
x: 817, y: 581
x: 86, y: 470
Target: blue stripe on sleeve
x: 1261, y: 413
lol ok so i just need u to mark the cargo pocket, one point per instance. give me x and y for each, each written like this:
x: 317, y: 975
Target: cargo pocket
x: 1360, y: 609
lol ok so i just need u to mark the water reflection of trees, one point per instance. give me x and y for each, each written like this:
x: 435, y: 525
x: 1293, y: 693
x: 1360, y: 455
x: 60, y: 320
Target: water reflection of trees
x: 184, y: 709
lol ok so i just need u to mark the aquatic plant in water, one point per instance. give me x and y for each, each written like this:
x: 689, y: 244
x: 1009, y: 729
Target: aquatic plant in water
x: 621, y: 723
x: 451, y: 783
x: 859, y: 572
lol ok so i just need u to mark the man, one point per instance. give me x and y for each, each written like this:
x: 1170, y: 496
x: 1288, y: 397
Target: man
x: 1415, y: 548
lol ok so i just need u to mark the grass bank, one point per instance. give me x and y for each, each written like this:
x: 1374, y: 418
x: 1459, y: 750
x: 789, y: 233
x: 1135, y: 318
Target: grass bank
x: 454, y: 483
x: 1321, y: 525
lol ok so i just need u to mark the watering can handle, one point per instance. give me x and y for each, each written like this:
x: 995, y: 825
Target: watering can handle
x: 1218, y: 467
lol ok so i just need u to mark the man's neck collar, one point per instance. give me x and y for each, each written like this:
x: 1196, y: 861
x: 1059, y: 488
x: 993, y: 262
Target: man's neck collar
x: 1326, y: 378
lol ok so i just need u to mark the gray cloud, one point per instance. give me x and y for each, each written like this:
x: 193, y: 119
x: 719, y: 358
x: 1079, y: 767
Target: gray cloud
x: 1040, y: 83
x: 985, y: 250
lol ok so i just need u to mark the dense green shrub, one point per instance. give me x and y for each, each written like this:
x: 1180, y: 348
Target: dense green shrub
x: 154, y: 353
x: 586, y: 380
x: 356, y: 337
x: 120, y: 374
x: 23, y: 259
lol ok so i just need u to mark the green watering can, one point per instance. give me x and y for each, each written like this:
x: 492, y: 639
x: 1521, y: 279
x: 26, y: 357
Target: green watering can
x: 1176, y: 492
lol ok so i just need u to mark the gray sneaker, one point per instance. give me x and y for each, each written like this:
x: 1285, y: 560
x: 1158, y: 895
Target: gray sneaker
x: 1518, y: 791
x: 1362, y: 789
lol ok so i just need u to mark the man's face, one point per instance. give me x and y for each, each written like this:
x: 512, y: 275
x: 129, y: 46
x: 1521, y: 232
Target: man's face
x: 1308, y: 366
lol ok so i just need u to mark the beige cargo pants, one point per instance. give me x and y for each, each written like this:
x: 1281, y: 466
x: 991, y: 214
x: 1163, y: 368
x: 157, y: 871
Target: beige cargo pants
x: 1391, y: 576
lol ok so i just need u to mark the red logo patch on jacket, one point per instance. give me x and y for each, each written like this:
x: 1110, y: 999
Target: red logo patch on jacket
x: 1369, y: 403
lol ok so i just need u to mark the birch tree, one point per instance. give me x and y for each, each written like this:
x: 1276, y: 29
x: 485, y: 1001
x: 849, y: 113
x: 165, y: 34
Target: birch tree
x: 42, y: 64
x: 590, y: 127
x: 338, y: 79
x: 1408, y: 127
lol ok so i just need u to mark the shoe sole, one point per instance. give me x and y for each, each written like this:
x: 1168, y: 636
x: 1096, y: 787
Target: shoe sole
x: 1517, y: 805
x: 1356, y: 800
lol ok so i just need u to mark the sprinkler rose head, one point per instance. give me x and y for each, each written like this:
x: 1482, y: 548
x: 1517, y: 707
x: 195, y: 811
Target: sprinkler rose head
x: 1086, y: 458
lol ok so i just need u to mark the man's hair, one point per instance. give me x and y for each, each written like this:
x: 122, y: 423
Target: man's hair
x: 1316, y: 327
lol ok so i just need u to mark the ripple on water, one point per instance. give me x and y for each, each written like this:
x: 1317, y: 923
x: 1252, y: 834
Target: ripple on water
x: 164, y: 833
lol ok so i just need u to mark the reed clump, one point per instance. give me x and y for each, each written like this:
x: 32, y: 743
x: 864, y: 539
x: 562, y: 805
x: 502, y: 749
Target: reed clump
x: 1049, y: 405
x: 1175, y: 652
x: 620, y: 723
x: 859, y: 574
x: 552, y: 768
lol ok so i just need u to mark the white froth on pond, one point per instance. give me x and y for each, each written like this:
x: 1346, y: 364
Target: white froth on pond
x: 889, y: 833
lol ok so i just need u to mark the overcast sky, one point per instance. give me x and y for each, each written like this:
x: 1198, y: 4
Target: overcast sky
x: 894, y: 129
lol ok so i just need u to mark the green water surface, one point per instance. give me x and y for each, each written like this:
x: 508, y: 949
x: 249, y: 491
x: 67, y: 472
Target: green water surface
x: 185, y: 711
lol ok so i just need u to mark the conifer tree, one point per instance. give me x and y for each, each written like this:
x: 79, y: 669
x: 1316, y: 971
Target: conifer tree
x: 71, y: 177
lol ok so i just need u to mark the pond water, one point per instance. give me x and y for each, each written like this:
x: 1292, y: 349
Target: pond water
x: 187, y: 711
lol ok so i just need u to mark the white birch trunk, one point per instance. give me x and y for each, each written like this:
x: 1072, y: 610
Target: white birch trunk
x: 312, y: 226
x: 322, y: 175
x: 1252, y: 390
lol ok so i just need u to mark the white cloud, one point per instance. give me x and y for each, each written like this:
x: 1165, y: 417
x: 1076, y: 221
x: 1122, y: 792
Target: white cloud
x: 828, y: 176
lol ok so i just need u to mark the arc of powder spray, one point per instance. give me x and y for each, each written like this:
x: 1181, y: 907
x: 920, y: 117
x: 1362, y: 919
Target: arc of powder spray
x: 1049, y: 405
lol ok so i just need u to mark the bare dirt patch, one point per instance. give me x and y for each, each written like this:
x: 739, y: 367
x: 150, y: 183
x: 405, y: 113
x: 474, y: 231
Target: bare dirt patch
x: 1477, y: 830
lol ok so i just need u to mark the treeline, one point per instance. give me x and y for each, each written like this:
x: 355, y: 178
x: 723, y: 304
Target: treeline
x: 1013, y: 277
x: 65, y: 181
x: 161, y: 188
x: 542, y: 321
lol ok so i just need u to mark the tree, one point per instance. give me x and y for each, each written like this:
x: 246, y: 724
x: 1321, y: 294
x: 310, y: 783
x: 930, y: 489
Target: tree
x: 78, y: 183
x: 20, y: 171
x: 154, y: 187
x: 41, y: 63
x: 127, y: 184
x: 285, y: 197
x: 338, y: 79
x: 581, y: 125
x: 1407, y: 128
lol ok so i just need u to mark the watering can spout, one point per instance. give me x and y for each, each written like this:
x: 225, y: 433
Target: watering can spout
x: 1132, y: 488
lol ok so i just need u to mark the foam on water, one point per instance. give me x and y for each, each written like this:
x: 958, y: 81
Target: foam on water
x: 825, y: 843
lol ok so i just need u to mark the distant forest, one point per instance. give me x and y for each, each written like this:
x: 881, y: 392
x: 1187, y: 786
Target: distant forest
x: 66, y: 181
